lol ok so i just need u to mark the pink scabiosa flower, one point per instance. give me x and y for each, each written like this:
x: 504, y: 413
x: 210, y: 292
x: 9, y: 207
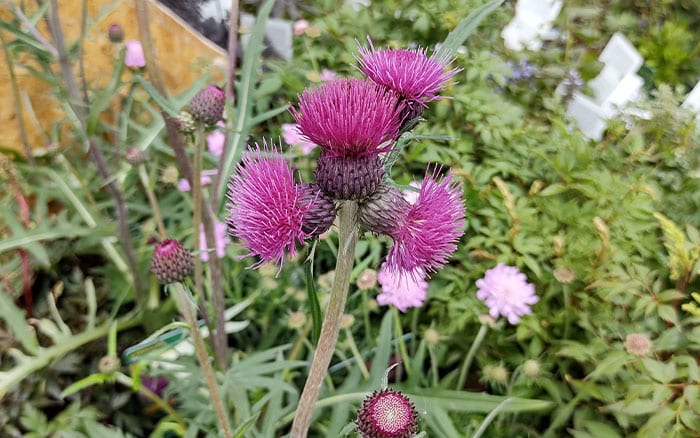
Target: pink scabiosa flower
x: 216, y: 140
x: 400, y: 289
x: 133, y: 56
x: 427, y: 235
x: 412, y: 74
x: 266, y: 207
x: 387, y: 414
x: 349, y: 117
x: 292, y: 136
x: 505, y: 291
x: 221, y: 239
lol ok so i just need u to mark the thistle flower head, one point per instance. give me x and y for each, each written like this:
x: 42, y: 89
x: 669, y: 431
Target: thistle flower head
x: 506, y: 292
x: 349, y: 117
x: 402, y: 289
x: 428, y: 234
x: 207, y: 106
x: 412, y: 74
x: 115, y: 33
x: 387, y: 414
x: 266, y: 208
x: 171, y: 262
x: 382, y: 212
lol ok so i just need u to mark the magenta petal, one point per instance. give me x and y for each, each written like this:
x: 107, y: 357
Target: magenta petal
x: 429, y: 234
x: 266, y: 207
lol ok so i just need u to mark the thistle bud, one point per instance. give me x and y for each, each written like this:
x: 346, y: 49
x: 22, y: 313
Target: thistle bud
x: 382, y: 212
x: 207, y: 106
x: 321, y: 212
x: 349, y: 177
x: 135, y: 156
x: 171, y: 262
x: 115, y: 33
x: 385, y: 414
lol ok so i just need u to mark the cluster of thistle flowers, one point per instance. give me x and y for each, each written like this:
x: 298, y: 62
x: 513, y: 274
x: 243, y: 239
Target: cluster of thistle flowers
x: 356, y: 123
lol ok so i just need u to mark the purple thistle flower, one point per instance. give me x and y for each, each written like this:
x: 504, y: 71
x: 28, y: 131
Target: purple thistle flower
x: 402, y: 289
x: 387, y: 414
x: 428, y: 234
x: 412, y: 74
x: 349, y: 117
x: 506, y: 292
x: 266, y: 207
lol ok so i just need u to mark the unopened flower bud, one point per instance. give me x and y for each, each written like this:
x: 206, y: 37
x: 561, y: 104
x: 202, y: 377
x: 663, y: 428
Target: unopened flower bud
x: 186, y: 123
x: 207, y: 106
x: 296, y: 320
x: 496, y: 373
x: 431, y: 336
x: 349, y: 177
x: 346, y: 321
x: 385, y: 414
x: 532, y: 368
x: 367, y: 279
x: 171, y: 262
x: 637, y: 344
x: 321, y: 212
x: 135, y: 156
x: 115, y: 33
x: 382, y: 212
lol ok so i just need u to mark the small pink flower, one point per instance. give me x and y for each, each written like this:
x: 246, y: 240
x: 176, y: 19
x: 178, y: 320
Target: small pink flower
x: 134, y: 54
x: 505, y: 291
x: 221, y: 239
x: 349, y: 117
x: 402, y: 289
x: 412, y: 74
x: 300, y: 27
x: 266, y: 207
x: 328, y: 75
x: 428, y: 234
x: 183, y: 184
x: 292, y: 136
x: 215, y: 141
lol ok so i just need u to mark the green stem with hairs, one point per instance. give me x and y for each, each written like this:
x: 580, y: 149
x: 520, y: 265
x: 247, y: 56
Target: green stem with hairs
x: 348, y: 235
x: 145, y: 182
x: 186, y: 307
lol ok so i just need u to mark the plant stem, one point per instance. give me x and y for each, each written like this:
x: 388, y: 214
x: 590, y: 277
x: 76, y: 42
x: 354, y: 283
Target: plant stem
x: 128, y: 382
x: 152, y: 200
x: 470, y: 356
x: 348, y: 235
x: 186, y: 306
x: 490, y: 417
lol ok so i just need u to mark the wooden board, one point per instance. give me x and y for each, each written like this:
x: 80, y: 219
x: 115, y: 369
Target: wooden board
x: 183, y: 57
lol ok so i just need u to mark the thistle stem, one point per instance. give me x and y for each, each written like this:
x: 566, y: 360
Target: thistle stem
x: 152, y: 200
x: 186, y: 307
x: 470, y: 356
x: 348, y: 235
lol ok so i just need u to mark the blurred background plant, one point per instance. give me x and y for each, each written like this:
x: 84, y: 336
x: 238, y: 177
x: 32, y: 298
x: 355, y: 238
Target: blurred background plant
x: 606, y: 232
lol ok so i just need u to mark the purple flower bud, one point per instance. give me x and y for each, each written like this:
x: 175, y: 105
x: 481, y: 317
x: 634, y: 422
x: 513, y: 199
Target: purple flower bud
x: 207, y: 106
x: 387, y: 414
x: 349, y: 177
x: 171, y: 262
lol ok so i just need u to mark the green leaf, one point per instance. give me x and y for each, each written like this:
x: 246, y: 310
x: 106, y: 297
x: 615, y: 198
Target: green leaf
x: 312, y: 293
x: 162, y: 102
x: 14, y: 317
x: 659, y: 371
x: 464, y: 401
x: 465, y: 28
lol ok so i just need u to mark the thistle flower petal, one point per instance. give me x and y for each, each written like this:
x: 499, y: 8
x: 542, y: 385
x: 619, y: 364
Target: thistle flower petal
x: 429, y: 232
x: 412, y: 74
x: 349, y: 117
x: 266, y: 207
